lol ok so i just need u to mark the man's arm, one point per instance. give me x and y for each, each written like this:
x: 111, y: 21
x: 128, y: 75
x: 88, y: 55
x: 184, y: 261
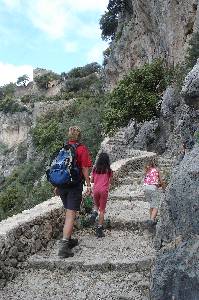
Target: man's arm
x: 85, y: 172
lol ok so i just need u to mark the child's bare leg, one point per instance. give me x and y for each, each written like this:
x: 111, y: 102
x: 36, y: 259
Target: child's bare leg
x: 150, y: 212
x: 101, y: 218
x: 154, y: 213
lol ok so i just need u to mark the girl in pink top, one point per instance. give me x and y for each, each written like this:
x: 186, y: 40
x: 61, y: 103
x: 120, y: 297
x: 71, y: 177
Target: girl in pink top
x: 152, y: 182
x: 101, y: 177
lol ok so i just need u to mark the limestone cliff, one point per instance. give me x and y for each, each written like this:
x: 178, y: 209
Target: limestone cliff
x: 148, y: 30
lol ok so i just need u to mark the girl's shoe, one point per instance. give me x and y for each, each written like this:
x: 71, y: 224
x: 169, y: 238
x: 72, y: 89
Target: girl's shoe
x: 93, y: 217
x: 99, y: 232
x: 151, y: 222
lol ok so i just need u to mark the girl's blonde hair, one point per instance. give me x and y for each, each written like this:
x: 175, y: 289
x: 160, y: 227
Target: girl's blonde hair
x: 74, y: 133
x: 150, y: 164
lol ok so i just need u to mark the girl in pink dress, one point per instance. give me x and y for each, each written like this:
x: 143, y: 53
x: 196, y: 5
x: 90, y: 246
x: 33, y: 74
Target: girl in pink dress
x: 101, y: 177
x: 152, y: 182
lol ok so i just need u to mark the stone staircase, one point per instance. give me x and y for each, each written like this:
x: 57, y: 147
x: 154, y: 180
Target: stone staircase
x: 115, y: 267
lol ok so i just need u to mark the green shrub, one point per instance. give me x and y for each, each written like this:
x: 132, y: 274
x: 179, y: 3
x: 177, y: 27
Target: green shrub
x: 3, y: 149
x: 78, y: 84
x: 46, y: 135
x: 43, y: 80
x: 80, y: 72
x: 8, y: 90
x: 106, y: 55
x: 193, y: 51
x: 26, y: 99
x: 10, y: 200
x: 137, y: 96
x: 50, y: 131
x: 9, y: 105
x: 19, y: 191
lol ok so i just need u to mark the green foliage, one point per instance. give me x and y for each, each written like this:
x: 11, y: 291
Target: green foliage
x: 9, y: 105
x: 109, y: 21
x: 79, y: 84
x: 20, y: 191
x: 193, y: 51
x: 22, y: 152
x: 3, y: 149
x: 23, y: 80
x: 84, y: 71
x: 44, y: 80
x: 137, y: 96
x: 181, y: 70
x: 108, y: 25
x: 7, y: 90
x: 47, y: 134
x: 51, y: 131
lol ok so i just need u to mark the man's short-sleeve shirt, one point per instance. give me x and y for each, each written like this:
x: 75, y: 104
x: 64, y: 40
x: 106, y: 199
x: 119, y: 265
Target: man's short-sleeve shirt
x: 82, y: 155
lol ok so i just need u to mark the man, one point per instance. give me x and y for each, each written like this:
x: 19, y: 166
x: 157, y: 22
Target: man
x: 72, y: 196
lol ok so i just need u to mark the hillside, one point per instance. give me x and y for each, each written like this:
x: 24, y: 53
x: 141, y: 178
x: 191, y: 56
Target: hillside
x: 34, y: 121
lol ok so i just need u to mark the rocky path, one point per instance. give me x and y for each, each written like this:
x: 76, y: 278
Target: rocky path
x: 115, y: 267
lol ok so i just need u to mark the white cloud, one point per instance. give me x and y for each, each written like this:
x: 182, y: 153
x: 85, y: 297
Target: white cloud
x: 60, y: 17
x: 89, y: 31
x: 88, y: 5
x: 96, y: 53
x: 10, y: 73
x: 51, y: 17
x: 71, y: 47
x: 12, y: 3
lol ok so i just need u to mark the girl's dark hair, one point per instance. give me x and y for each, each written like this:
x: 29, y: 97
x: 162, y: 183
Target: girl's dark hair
x: 102, y: 165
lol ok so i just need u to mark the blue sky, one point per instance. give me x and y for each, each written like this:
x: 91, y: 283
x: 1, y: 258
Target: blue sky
x: 51, y: 34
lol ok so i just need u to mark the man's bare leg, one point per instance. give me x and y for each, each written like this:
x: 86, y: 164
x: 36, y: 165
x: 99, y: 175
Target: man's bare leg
x: 69, y: 223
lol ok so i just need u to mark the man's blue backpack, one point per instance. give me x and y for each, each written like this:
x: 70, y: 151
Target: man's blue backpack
x: 64, y: 171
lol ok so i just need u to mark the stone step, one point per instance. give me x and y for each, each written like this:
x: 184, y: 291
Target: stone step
x: 73, y: 285
x: 120, y: 251
x: 133, y: 197
x: 126, y: 190
x: 130, y: 181
x: 131, y: 215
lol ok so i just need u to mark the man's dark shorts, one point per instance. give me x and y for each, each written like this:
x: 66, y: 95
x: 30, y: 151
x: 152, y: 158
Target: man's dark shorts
x: 71, y: 197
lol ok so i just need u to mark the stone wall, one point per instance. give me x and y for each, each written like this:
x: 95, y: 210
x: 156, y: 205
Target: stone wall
x: 27, y: 233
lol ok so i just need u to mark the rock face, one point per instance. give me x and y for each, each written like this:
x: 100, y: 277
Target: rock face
x: 176, y: 125
x: 176, y: 273
x: 190, y: 89
x: 148, y: 30
x: 14, y: 128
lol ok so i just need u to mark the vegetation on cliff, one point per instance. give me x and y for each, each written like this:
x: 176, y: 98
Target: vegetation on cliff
x: 137, y: 96
x: 109, y: 20
x: 27, y: 185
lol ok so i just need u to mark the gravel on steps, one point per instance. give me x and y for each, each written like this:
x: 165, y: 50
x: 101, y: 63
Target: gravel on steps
x: 47, y: 285
x: 119, y: 250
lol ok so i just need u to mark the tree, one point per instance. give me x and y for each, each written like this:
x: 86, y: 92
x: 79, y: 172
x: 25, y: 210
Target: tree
x: 23, y: 80
x: 109, y: 21
x: 44, y: 80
